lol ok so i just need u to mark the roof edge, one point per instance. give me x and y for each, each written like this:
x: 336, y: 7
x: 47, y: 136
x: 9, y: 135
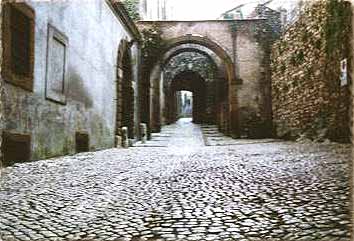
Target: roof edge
x: 202, y: 21
x: 120, y: 11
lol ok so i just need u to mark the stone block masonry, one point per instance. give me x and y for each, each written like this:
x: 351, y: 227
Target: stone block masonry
x: 308, y: 99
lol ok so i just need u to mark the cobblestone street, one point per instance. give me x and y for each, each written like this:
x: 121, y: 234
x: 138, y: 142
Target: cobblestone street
x: 188, y: 183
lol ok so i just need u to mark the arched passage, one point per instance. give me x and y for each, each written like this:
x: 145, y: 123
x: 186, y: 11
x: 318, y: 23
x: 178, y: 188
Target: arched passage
x: 169, y: 55
x: 125, y: 92
x: 227, y: 113
x: 206, y: 42
x: 193, y: 82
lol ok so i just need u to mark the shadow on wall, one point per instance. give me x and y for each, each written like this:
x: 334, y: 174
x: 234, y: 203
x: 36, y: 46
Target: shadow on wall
x: 253, y: 125
x: 77, y: 91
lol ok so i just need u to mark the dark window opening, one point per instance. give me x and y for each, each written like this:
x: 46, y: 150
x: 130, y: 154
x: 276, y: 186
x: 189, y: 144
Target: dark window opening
x: 18, y: 44
x: 82, y: 142
x: 20, y: 25
x: 16, y: 148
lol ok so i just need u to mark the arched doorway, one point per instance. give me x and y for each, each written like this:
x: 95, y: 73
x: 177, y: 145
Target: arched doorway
x: 225, y: 112
x: 125, y: 93
x: 188, y: 81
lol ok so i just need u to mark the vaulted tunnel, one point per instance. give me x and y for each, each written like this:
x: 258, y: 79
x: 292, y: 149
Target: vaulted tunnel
x: 193, y: 82
x: 210, y: 63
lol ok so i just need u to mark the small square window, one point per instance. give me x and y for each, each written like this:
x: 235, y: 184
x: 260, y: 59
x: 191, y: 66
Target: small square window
x: 16, y: 148
x: 18, y: 45
x: 82, y: 142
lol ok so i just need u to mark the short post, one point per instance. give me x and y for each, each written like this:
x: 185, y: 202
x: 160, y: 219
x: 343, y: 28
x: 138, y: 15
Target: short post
x: 125, y: 139
x: 143, y: 132
x: 118, y: 141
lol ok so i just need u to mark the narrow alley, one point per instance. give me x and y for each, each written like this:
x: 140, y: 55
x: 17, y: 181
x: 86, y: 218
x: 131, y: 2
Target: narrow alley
x: 177, y: 188
x: 176, y: 120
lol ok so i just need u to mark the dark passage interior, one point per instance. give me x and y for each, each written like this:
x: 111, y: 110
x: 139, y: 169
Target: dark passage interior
x: 184, y: 104
x: 195, y: 84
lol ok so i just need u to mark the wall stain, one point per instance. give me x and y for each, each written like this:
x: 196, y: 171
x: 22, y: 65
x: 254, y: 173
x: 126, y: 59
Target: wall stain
x: 77, y: 89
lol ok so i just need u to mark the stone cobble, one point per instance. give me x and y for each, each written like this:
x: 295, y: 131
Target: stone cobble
x: 259, y: 191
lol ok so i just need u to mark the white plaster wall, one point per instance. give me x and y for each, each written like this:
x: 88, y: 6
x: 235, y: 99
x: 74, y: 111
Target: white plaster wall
x: 94, y: 33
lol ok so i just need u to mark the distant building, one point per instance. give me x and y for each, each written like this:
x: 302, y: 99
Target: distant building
x: 283, y: 14
x: 234, y: 13
x: 155, y: 10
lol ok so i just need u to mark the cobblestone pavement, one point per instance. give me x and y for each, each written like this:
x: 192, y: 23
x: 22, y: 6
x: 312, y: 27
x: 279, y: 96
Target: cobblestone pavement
x: 182, y: 191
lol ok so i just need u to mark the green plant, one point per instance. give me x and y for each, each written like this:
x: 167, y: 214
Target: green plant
x: 318, y: 44
x: 132, y: 8
x: 297, y: 58
x: 283, y: 68
x: 152, y: 47
x: 305, y: 36
x: 337, y: 27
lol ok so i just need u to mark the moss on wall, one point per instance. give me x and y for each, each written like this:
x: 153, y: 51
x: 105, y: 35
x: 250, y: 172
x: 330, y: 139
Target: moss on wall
x: 132, y: 7
x: 307, y: 97
x: 153, y: 46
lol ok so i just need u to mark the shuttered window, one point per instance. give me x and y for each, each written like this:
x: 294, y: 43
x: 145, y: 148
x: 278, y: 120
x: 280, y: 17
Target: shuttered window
x: 18, y: 44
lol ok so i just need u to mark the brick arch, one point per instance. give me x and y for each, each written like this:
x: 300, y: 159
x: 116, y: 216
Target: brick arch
x: 125, y: 91
x: 168, y: 56
x: 230, y: 114
x: 186, y: 50
x: 208, y: 43
x: 215, y: 88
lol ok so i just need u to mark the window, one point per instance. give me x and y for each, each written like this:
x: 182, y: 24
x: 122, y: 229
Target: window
x: 16, y: 148
x: 82, y: 142
x: 18, y: 45
x: 56, y: 66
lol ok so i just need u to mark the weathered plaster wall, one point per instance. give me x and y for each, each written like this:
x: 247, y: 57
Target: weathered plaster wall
x: 307, y: 97
x: 352, y: 76
x: 252, y: 58
x: 1, y: 92
x: 135, y: 65
x: 352, y: 117
x: 94, y: 33
x: 247, y: 43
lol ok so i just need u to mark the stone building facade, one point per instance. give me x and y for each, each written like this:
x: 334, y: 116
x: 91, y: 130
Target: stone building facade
x: 156, y: 9
x: 242, y: 49
x: 63, y: 64
x: 1, y: 95
x: 307, y: 95
x: 351, y: 73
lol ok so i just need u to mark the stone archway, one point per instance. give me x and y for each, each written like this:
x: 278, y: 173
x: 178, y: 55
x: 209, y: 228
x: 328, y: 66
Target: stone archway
x: 229, y: 107
x: 227, y: 111
x: 208, y: 43
x: 125, y: 93
x: 193, y: 82
x: 217, y: 86
x: 243, y: 47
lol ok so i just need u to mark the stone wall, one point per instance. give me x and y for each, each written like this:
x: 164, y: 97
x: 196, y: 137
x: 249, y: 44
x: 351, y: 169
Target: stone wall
x: 253, y: 42
x: 351, y: 72
x: 352, y: 115
x: 1, y: 93
x: 308, y: 100
x: 244, y: 48
x: 94, y: 32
